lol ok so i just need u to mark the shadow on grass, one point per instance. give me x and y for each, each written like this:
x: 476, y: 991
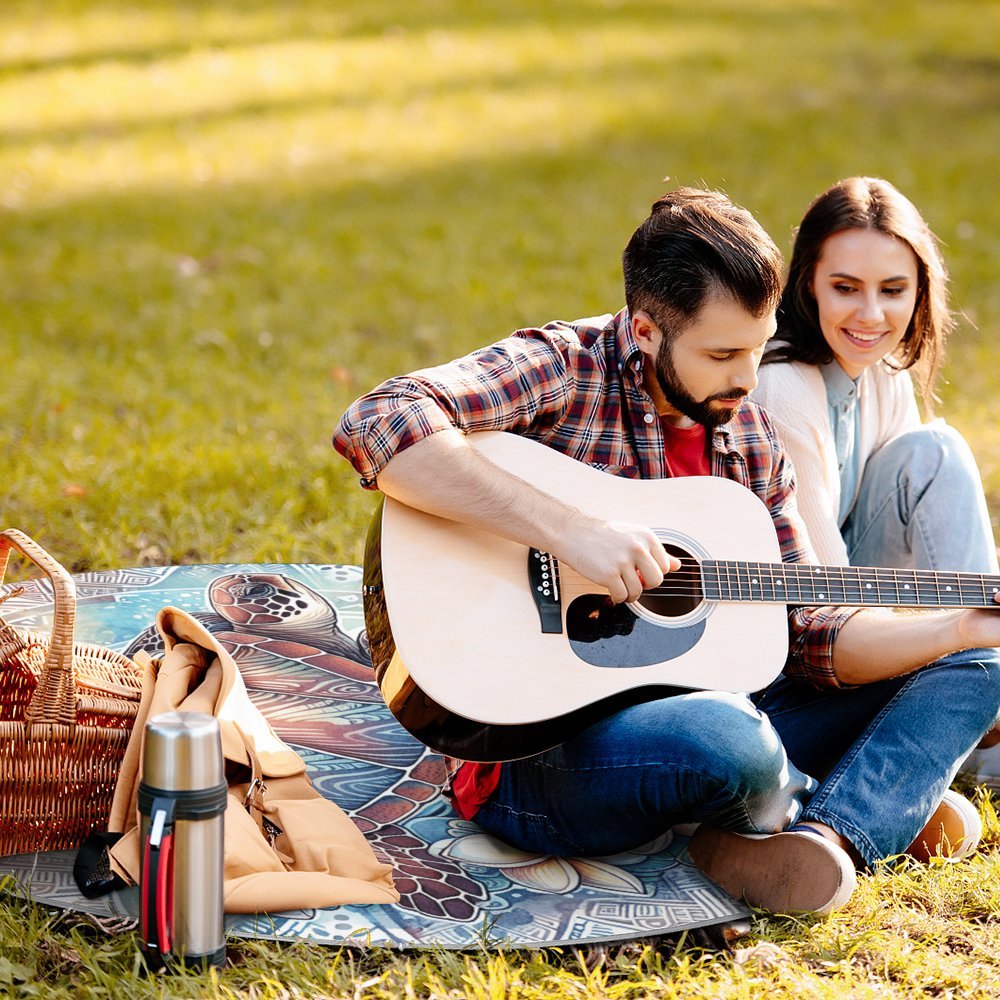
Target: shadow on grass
x: 250, y: 23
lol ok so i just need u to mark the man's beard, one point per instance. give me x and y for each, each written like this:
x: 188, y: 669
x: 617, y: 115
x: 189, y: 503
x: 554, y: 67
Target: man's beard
x: 680, y: 399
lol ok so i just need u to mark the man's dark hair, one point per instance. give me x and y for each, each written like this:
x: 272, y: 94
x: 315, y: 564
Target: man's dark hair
x: 694, y: 244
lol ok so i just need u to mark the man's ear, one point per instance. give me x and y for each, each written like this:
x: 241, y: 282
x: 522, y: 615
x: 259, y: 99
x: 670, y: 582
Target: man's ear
x: 646, y: 333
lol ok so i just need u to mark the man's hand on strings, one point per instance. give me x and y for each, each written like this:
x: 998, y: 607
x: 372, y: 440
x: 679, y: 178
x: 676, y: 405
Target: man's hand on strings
x: 624, y: 558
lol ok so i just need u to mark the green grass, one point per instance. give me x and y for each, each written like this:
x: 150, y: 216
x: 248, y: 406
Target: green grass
x: 221, y: 221
x: 911, y: 932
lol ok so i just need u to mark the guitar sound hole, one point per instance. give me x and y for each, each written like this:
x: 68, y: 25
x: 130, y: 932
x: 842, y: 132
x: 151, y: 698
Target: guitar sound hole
x: 680, y: 593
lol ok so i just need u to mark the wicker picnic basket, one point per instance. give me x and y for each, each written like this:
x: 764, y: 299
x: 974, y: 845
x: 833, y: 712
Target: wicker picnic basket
x: 66, y: 712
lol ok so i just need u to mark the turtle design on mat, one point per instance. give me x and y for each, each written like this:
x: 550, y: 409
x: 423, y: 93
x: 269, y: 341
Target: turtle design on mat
x: 274, y: 611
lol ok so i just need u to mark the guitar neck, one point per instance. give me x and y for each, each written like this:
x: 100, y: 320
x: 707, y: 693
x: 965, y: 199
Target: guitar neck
x: 801, y: 583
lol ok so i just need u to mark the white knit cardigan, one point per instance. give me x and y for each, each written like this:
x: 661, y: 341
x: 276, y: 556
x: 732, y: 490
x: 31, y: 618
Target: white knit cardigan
x: 794, y: 395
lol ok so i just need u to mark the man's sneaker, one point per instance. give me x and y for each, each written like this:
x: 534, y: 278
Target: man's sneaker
x: 953, y: 831
x: 788, y: 872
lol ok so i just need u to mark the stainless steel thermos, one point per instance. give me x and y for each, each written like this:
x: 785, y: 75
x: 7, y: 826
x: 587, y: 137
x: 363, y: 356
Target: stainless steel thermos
x: 182, y: 801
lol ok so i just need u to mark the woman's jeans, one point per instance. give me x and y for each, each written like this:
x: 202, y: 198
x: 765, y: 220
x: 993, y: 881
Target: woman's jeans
x: 872, y: 761
x: 920, y: 505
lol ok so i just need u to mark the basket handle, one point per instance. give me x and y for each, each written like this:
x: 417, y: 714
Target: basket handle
x: 54, y: 700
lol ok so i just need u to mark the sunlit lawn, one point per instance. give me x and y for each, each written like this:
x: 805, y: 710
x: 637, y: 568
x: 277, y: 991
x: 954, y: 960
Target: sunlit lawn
x: 222, y: 221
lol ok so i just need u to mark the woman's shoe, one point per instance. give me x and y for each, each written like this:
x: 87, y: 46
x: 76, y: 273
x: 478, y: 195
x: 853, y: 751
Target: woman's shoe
x: 953, y: 831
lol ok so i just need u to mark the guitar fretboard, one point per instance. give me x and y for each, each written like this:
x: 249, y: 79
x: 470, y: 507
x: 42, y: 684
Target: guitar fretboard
x: 800, y: 583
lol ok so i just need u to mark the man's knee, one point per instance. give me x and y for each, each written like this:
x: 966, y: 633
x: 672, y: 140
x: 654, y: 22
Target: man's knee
x: 762, y: 790
x: 741, y: 739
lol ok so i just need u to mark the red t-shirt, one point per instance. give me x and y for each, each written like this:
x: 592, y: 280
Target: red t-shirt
x: 686, y: 450
x: 686, y: 455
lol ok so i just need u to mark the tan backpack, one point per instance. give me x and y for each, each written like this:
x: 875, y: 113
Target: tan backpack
x: 286, y: 847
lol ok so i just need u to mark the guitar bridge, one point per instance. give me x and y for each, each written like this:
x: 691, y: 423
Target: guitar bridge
x: 543, y: 578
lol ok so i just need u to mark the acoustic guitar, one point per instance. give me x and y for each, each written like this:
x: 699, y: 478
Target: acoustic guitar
x: 488, y: 650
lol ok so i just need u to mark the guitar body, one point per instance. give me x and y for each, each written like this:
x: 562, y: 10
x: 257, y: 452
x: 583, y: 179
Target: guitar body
x: 474, y: 662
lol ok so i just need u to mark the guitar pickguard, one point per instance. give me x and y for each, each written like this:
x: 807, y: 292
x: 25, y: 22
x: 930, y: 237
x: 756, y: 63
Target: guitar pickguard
x: 613, y: 635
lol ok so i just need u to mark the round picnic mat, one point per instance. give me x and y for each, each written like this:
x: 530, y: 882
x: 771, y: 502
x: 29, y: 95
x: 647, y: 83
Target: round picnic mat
x: 297, y: 634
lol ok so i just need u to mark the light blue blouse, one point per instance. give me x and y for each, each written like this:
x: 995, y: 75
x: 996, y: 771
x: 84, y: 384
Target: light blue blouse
x: 842, y: 401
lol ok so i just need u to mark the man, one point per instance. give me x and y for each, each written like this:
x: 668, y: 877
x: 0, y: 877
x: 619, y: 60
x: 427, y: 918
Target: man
x: 853, y: 748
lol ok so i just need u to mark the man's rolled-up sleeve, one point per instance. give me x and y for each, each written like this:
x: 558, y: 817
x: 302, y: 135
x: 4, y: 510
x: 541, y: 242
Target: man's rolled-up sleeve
x: 812, y: 632
x: 515, y: 384
x: 381, y: 424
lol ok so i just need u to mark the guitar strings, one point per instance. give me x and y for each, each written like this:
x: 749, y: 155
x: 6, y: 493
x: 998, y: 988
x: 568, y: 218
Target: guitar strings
x: 690, y: 581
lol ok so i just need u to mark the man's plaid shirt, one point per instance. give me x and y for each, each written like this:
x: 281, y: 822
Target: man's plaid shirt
x: 577, y: 387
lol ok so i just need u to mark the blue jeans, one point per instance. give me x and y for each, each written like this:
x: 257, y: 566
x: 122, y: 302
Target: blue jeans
x: 884, y: 753
x: 696, y: 756
x: 921, y: 506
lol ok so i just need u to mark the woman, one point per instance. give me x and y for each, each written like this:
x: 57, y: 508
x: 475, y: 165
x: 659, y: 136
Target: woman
x: 865, y: 304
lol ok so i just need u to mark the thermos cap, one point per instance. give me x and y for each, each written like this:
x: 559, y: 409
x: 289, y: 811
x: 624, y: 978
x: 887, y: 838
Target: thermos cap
x: 182, y: 752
